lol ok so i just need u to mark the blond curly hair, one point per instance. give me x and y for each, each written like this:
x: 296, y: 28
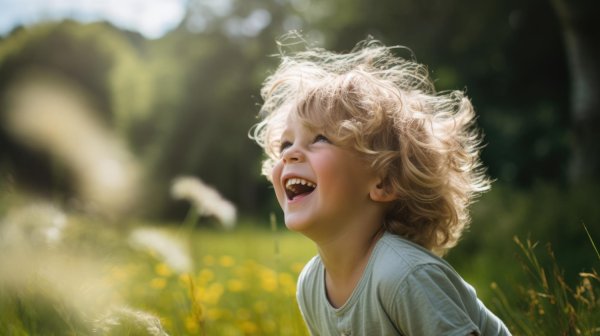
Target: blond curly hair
x: 385, y: 107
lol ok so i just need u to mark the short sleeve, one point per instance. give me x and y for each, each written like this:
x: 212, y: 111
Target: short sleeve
x: 305, y: 292
x: 432, y: 301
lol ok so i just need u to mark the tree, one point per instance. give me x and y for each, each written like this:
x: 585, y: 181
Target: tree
x: 582, y: 44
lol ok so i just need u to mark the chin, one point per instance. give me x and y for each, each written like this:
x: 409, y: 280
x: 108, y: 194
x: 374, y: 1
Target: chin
x: 296, y: 224
x: 293, y: 226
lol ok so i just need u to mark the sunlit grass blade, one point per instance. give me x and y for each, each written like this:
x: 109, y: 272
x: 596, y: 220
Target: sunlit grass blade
x: 547, y: 303
x: 591, y: 240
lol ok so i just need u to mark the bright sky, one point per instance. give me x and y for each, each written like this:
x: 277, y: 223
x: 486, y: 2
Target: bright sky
x: 152, y: 18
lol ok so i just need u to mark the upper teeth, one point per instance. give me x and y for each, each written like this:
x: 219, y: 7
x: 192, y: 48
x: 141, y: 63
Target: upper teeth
x: 293, y: 181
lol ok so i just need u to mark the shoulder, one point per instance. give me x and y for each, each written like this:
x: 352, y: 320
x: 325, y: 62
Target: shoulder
x: 425, y: 294
x: 397, y: 258
x: 308, y: 280
x: 310, y: 270
x: 402, y: 269
x: 308, y: 294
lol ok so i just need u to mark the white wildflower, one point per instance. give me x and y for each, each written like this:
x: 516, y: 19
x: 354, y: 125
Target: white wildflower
x: 205, y: 199
x: 35, y: 225
x: 168, y: 248
x: 51, y: 114
x: 126, y: 321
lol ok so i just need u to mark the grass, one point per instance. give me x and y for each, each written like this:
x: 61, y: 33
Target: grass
x: 241, y: 282
x: 546, y: 304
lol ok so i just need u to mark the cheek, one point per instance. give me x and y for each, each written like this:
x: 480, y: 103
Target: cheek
x: 345, y: 178
x: 276, y: 181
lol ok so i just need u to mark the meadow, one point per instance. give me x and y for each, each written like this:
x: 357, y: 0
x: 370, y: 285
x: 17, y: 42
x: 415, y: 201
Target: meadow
x: 147, y: 279
x: 97, y: 122
x: 99, y: 280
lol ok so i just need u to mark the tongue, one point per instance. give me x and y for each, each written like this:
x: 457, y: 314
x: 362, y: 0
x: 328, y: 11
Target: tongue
x: 303, y: 189
x: 300, y: 190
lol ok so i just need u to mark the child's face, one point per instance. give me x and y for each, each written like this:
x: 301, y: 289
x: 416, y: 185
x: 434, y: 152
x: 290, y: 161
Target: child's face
x: 319, y: 185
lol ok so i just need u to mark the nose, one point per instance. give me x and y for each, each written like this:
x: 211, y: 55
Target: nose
x: 292, y: 154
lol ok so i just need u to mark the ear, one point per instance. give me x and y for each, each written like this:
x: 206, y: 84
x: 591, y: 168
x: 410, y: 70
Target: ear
x: 378, y: 193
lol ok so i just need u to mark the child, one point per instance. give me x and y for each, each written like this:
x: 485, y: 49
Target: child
x: 378, y: 170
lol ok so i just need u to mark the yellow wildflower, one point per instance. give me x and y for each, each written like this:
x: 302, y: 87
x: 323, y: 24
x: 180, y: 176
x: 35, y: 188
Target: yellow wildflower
x: 268, y: 280
x: 235, y: 285
x: 163, y: 269
x: 248, y: 327
x: 200, y: 294
x: 206, y: 276
x: 158, y: 283
x: 186, y: 279
x: 226, y: 261
x: 191, y: 324
x: 213, y: 293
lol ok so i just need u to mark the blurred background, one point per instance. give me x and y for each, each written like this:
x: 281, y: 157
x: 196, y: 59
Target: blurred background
x: 104, y: 104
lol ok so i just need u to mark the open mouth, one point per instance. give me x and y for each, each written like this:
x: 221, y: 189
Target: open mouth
x: 296, y: 187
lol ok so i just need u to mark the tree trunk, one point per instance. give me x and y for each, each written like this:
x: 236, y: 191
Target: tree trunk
x: 581, y: 35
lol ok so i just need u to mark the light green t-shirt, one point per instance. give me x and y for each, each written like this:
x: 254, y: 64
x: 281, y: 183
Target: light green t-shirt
x: 404, y: 290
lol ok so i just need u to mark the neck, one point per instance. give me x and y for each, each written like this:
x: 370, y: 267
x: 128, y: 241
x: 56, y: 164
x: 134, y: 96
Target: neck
x: 348, y: 254
x: 345, y: 260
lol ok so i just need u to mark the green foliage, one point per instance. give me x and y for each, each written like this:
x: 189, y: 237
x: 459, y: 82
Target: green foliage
x: 546, y: 211
x: 184, y: 103
x: 547, y: 304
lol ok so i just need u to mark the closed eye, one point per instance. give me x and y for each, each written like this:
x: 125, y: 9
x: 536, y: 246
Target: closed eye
x: 284, y: 145
x: 321, y: 138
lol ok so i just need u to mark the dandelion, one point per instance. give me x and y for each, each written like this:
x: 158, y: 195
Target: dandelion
x: 205, y: 200
x: 166, y: 247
